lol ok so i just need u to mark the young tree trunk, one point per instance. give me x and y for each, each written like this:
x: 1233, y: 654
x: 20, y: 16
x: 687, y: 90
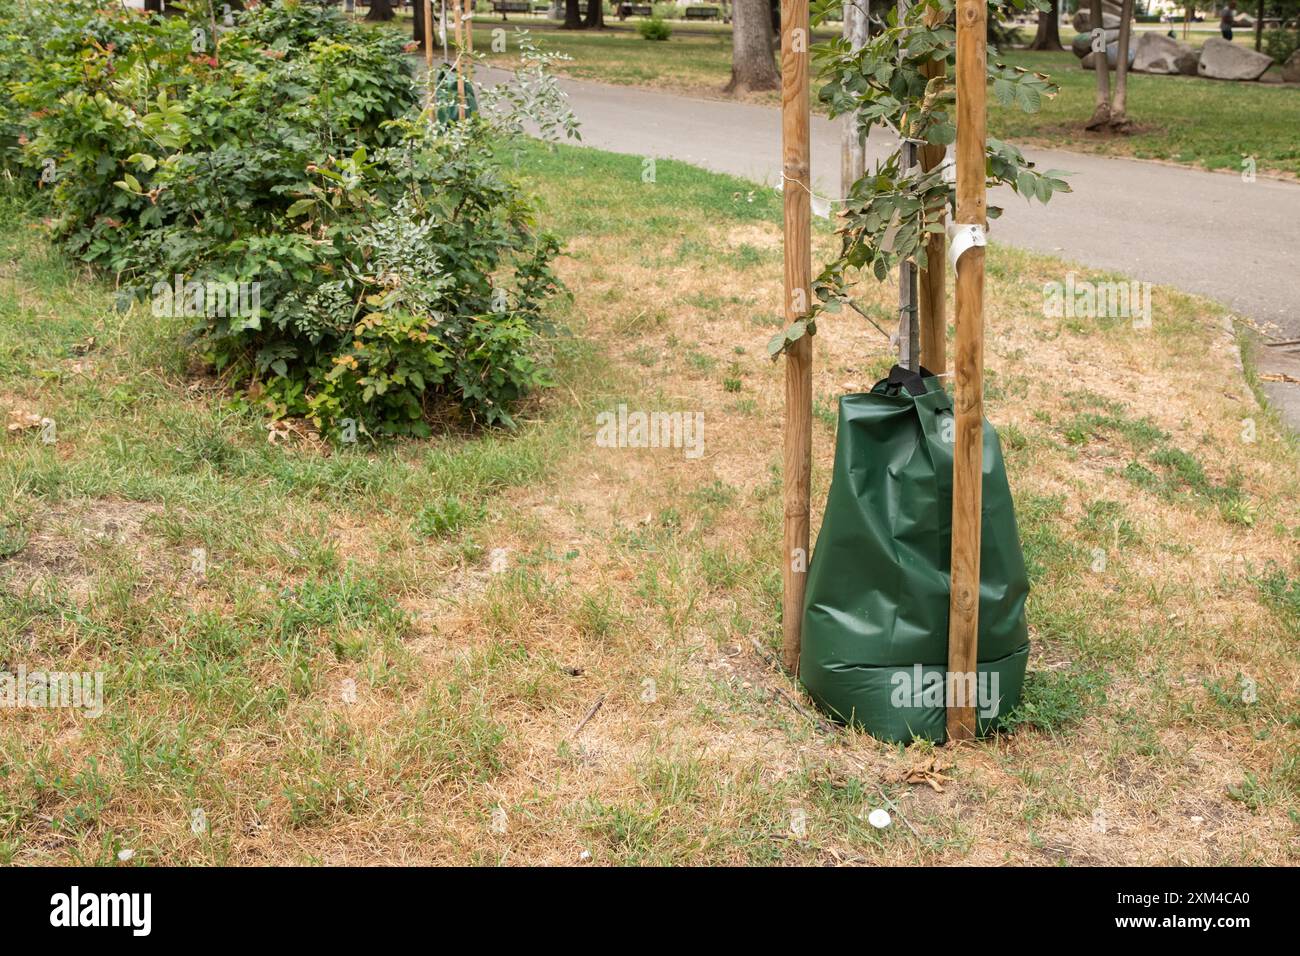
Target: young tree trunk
x: 753, y: 67
x: 1101, y: 111
x: 595, y: 14
x: 1119, y: 108
x: 572, y: 15
x: 380, y: 11
x: 853, y: 160
x: 1259, y: 26
x: 1048, y: 36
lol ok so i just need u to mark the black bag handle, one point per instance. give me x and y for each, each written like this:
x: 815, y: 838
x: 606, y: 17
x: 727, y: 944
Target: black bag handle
x: 902, y: 377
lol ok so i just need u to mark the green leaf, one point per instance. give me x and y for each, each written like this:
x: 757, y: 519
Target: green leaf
x: 1031, y: 101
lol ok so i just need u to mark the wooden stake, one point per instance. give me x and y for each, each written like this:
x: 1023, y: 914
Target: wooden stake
x: 967, y: 485
x: 460, y: 52
x: 469, y: 37
x: 934, y: 321
x: 428, y: 37
x: 797, y: 200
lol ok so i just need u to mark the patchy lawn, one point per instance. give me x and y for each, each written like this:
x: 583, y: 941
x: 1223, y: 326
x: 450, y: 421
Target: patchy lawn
x: 522, y: 648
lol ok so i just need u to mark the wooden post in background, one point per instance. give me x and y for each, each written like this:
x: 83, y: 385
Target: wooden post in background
x: 428, y: 40
x: 967, y: 483
x: 934, y: 320
x: 460, y: 52
x: 469, y: 37
x: 797, y: 199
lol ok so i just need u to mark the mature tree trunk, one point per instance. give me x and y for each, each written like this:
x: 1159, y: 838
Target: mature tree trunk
x: 1100, y: 112
x: 154, y: 6
x: 1119, y: 108
x: 572, y: 15
x: 1048, y: 36
x: 417, y: 22
x: 753, y: 67
x: 595, y: 14
x: 381, y: 10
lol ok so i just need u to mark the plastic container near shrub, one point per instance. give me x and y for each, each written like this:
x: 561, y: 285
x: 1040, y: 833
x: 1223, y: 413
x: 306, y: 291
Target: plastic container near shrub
x: 654, y: 29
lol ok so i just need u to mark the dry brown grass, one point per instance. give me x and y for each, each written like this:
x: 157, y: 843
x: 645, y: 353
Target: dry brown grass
x: 626, y: 567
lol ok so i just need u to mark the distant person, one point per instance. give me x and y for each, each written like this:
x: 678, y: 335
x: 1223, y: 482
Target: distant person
x: 1226, y: 18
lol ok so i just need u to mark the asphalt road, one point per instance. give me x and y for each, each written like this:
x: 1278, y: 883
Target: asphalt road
x: 1209, y: 233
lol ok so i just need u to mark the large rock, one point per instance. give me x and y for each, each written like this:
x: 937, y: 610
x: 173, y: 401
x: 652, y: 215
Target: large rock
x: 1082, y: 21
x: 1291, y: 68
x: 1157, y: 53
x: 1188, y: 62
x: 1081, y: 45
x: 1089, y: 62
x: 1224, y: 60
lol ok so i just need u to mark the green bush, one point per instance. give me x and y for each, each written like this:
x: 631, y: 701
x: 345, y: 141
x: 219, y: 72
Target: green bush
x: 1280, y: 44
x: 654, y: 29
x: 395, y: 271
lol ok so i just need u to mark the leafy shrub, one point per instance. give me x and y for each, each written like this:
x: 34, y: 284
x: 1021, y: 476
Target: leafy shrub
x: 1280, y: 44
x: 397, y: 271
x: 654, y: 29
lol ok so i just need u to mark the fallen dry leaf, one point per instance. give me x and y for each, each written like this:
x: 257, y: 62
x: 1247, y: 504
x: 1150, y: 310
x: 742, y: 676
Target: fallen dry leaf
x: 21, y: 421
x: 931, y: 773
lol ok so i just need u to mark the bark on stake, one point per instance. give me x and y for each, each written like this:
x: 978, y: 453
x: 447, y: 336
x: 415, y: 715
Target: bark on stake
x: 797, y: 200
x: 967, y: 486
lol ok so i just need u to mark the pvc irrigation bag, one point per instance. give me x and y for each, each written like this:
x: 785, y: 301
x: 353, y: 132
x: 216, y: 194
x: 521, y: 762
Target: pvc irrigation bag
x: 875, y: 624
x: 447, y: 93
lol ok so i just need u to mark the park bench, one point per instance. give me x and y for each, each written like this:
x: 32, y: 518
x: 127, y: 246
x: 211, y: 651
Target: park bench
x: 635, y: 10
x: 703, y: 13
x: 510, y: 6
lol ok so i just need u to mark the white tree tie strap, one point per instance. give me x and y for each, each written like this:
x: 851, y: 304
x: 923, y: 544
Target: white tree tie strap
x: 963, y: 236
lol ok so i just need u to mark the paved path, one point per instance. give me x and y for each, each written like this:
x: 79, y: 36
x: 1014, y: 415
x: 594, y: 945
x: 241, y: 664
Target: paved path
x: 1202, y: 232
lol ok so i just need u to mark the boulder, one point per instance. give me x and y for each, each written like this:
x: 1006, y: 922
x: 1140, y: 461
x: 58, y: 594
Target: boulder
x: 1081, y: 45
x: 1082, y: 21
x: 1157, y: 53
x: 1291, y: 68
x: 1224, y: 60
x: 1112, y: 58
x: 1188, y: 62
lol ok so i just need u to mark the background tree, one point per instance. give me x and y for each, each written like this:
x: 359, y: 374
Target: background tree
x: 1101, y: 111
x: 1048, y: 36
x: 417, y: 22
x: 1119, y: 106
x: 572, y: 15
x: 381, y: 11
x: 753, y: 68
x: 595, y: 14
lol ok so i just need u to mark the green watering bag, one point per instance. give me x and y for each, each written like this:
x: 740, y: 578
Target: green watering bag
x: 448, y: 96
x: 875, y: 626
